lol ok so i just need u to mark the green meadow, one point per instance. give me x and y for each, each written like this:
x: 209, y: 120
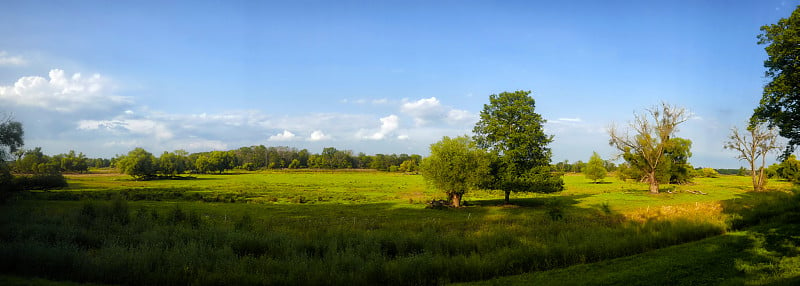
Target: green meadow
x: 373, y: 228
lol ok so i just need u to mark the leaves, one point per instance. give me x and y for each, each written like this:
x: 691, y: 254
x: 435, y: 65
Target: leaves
x: 780, y: 102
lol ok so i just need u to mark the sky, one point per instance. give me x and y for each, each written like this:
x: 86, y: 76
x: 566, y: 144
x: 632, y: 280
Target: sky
x: 104, y: 77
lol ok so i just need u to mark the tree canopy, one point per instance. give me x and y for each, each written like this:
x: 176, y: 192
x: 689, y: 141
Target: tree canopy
x: 11, y: 137
x: 780, y: 102
x: 510, y: 129
x: 455, y: 166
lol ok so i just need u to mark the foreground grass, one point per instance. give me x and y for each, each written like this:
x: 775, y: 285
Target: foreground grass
x: 352, y: 228
x: 765, y: 252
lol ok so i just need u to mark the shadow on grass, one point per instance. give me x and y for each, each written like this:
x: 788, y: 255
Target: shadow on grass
x: 561, y: 201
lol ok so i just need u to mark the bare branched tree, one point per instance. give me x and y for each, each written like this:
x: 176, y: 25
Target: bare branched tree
x: 755, y: 144
x: 645, y: 149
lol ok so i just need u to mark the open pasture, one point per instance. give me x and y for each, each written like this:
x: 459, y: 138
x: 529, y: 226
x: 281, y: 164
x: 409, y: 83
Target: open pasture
x: 342, y: 227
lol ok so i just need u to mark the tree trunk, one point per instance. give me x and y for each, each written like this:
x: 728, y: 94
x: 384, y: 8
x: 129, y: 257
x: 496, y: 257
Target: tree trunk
x: 456, y: 198
x: 507, y: 193
x: 651, y: 178
x: 754, y: 177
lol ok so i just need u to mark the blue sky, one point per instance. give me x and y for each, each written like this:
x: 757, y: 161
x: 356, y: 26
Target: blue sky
x: 103, y: 77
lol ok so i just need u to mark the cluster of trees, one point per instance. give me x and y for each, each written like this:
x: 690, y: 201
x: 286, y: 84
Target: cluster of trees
x: 33, y: 161
x: 580, y: 166
x: 141, y: 164
x: 508, y: 152
x: 44, y: 172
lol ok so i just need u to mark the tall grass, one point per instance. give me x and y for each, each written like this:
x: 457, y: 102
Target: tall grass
x: 194, y: 243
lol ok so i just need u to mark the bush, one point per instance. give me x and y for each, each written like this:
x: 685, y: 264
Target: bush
x: 709, y: 173
x: 40, y: 181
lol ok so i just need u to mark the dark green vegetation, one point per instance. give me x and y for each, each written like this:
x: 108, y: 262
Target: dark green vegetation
x: 780, y: 102
x: 512, y: 131
x: 353, y: 228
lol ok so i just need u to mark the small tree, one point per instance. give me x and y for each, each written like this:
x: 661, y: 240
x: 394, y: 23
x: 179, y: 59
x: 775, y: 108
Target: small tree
x: 594, y: 169
x: 756, y: 143
x: 408, y: 166
x: 455, y: 166
x: 653, y: 131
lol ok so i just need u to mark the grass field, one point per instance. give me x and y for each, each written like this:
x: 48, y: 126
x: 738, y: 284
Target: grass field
x: 361, y: 228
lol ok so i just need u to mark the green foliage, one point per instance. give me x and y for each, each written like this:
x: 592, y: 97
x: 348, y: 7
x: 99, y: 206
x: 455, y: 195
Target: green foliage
x: 455, y: 166
x: 511, y: 129
x: 138, y: 164
x: 40, y: 181
x: 789, y: 169
x: 709, y: 173
x: 408, y: 166
x: 780, y: 102
x: 172, y: 164
x: 11, y: 134
x: 595, y: 170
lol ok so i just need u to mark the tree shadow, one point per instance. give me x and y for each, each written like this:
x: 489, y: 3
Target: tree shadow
x: 561, y: 201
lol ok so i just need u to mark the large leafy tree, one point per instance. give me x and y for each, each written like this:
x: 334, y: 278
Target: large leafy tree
x: 455, y: 166
x: 780, y: 102
x: 646, y: 148
x: 511, y: 129
x: 139, y: 164
x: 751, y: 146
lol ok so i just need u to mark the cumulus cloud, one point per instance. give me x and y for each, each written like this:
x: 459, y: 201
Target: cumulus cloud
x: 63, y: 93
x: 388, y: 125
x: 317, y: 135
x: 153, y: 128
x: 427, y: 111
x: 424, y: 110
x: 284, y: 136
x: 6, y: 60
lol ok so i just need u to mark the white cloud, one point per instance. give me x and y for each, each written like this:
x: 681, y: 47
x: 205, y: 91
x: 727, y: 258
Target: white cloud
x: 424, y: 110
x: 317, y: 135
x: 6, y: 60
x: 284, y: 136
x: 576, y: 119
x: 153, y: 128
x: 63, y: 93
x: 429, y: 111
x: 388, y: 125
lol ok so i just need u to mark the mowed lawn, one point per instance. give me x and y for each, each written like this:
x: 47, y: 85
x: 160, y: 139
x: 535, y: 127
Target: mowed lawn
x: 347, y: 227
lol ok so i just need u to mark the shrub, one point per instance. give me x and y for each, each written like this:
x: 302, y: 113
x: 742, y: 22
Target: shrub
x: 40, y: 181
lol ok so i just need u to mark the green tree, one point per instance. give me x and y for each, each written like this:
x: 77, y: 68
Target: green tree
x: 11, y: 134
x: 510, y: 128
x: 645, y: 150
x: 408, y: 166
x: 780, y: 102
x: 676, y: 168
x: 139, y: 164
x: 455, y: 166
x: 789, y: 169
x: 595, y: 169
x: 172, y: 164
x: 751, y: 146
